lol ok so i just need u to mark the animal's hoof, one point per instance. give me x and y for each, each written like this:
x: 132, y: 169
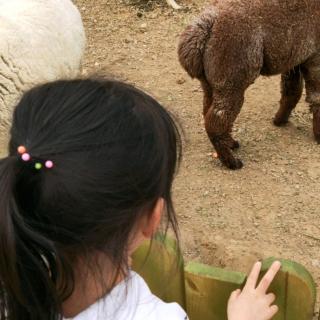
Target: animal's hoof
x: 236, y: 164
x: 279, y: 122
x: 235, y: 145
x: 317, y: 138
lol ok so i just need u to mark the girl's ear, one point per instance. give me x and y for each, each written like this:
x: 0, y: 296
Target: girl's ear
x: 153, y: 220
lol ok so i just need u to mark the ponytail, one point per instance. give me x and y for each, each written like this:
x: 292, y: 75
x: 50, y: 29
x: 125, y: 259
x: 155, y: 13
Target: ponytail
x: 53, y: 222
x: 10, y: 285
x: 28, y: 268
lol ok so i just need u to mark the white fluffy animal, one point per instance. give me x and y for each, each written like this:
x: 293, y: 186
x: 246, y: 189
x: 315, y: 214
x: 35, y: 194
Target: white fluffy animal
x: 40, y: 40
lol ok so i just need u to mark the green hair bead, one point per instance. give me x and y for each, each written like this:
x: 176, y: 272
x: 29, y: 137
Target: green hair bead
x: 38, y: 166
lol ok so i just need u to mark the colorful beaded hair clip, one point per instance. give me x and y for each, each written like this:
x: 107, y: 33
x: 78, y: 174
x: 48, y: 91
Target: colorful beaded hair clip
x: 25, y: 156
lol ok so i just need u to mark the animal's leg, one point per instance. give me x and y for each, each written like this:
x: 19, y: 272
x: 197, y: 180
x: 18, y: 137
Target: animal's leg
x: 311, y: 72
x: 291, y: 91
x: 316, y: 122
x: 207, y: 103
x: 232, y: 143
x: 173, y: 4
x: 207, y: 96
x: 218, y: 122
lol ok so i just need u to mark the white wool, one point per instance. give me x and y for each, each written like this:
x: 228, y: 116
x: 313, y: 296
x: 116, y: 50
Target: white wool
x: 40, y: 40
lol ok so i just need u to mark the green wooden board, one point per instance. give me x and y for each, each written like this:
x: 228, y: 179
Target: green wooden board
x: 295, y: 290
x: 208, y: 290
x: 203, y: 291
x: 163, y: 270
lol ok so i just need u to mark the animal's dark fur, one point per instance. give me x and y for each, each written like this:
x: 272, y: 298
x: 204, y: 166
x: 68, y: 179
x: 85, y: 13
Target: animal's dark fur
x: 234, y: 41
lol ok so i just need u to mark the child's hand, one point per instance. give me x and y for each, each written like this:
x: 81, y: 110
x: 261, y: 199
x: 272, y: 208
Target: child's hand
x: 253, y: 303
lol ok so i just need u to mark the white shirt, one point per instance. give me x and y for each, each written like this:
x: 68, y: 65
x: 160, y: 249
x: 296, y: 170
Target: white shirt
x: 132, y: 300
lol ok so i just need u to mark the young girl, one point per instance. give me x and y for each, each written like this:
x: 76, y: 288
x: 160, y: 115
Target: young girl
x: 87, y: 179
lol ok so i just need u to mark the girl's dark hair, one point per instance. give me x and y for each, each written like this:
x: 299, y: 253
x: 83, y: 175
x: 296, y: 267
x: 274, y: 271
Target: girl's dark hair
x: 114, y: 149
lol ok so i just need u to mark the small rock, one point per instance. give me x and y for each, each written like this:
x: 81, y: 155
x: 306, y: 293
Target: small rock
x: 181, y: 81
x: 143, y: 27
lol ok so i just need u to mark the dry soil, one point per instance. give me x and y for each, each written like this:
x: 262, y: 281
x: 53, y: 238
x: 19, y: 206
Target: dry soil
x: 228, y: 219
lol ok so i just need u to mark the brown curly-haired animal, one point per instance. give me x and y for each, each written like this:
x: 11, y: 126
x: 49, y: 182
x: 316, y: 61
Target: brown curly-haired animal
x: 234, y: 41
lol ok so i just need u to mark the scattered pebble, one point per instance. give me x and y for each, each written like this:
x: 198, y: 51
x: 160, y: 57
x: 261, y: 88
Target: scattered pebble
x: 143, y: 27
x: 181, y: 81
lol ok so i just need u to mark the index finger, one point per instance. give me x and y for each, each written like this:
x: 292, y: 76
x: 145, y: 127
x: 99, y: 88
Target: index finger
x: 253, y: 276
x: 268, y: 277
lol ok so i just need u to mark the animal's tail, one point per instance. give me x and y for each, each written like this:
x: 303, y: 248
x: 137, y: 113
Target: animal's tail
x: 193, y: 42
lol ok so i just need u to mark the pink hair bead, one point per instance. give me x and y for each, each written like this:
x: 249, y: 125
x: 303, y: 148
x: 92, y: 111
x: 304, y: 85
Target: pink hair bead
x: 49, y: 164
x: 25, y: 157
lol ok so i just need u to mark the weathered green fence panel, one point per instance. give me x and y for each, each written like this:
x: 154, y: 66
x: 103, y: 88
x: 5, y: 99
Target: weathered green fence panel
x: 295, y: 290
x: 208, y: 290
x: 204, y: 291
x: 163, y: 270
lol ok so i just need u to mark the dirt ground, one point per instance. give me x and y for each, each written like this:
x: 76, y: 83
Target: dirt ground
x: 228, y: 219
